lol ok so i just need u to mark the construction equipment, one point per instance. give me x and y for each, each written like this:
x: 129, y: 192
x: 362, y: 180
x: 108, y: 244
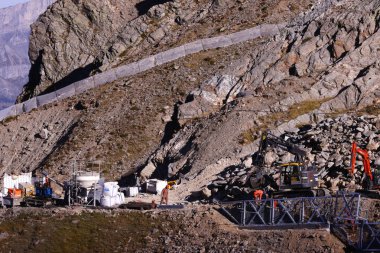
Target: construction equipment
x: 52, y: 179
x: 13, y: 189
x: 174, y: 183
x: 371, y: 179
x: 43, y: 194
x: 13, y: 198
x: 296, y: 178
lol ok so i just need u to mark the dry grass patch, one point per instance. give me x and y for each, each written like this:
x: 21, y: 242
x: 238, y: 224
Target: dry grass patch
x: 277, y: 118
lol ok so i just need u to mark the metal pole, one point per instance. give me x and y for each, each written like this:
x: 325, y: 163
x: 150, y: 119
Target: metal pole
x: 357, y: 209
x: 336, y: 204
x: 244, y: 212
x: 303, y: 211
x: 94, y: 195
x: 76, y: 183
x: 361, y: 235
x: 70, y: 194
x: 271, y: 214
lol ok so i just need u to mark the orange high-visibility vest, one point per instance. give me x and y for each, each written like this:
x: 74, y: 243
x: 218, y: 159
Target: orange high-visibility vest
x: 258, y: 194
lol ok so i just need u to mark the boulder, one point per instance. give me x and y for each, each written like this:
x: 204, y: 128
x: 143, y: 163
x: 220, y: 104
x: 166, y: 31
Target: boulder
x: 44, y: 134
x: 372, y: 145
x: 147, y: 171
x: 206, y: 193
x: 210, y: 96
x: 270, y: 157
x: 248, y: 162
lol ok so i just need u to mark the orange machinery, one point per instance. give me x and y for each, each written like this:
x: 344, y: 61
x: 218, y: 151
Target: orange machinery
x: 15, y: 193
x: 372, y: 178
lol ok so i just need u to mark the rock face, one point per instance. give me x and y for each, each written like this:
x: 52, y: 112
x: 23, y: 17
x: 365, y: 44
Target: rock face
x: 70, y: 35
x: 73, y: 38
x: 196, y: 117
x: 318, y: 65
x: 14, y: 44
x: 211, y: 96
x: 67, y: 47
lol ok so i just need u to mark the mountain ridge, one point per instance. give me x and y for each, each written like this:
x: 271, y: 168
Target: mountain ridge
x: 14, y: 45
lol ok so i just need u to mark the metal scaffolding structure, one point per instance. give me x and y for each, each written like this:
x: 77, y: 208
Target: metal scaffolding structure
x: 305, y: 211
x: 76, y: 193
x: 362, y: 235
x: 342, y: 213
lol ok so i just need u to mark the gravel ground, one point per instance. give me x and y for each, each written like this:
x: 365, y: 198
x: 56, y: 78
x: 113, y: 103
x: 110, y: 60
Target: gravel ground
x: 193, y: 229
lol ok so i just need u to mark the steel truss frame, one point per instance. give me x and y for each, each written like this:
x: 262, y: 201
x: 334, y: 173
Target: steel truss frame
x: 363, y: 235
x: 293, y: 211
x: 342, y: 212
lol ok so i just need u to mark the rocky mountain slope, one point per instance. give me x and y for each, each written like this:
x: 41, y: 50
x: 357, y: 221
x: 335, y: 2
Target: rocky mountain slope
x: 324, y: 66
x: 198, y: 117
x: 67, y: 47
x: 14, y: 45
x: 200, y: 114
x: 115, y: 123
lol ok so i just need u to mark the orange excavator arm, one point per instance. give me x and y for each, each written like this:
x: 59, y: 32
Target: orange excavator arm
x: 366, y: 161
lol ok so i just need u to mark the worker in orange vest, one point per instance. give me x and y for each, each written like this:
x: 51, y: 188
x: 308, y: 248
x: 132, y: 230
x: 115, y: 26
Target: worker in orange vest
x: 165, y: 195
x: 258, y: 195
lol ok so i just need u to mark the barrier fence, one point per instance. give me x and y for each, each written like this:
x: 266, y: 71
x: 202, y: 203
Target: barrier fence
x: 265, y: 30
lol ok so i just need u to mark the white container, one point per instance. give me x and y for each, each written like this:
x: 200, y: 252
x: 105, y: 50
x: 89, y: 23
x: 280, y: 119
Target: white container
x: 120, y: 199
x: 112, y: 201
x: 155, y: 186
x: 87, y: 179
x: 13, y: 181
x: 132, y: 191
x: 111, y: 189
x: 107, y: 201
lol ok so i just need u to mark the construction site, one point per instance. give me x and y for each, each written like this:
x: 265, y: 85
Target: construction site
x: 281, y: 194
x: 190, y: 126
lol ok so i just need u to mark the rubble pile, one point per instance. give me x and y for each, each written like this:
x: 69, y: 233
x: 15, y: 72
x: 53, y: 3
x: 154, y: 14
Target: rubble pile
x: 328, y: 145
x: 233, y: 182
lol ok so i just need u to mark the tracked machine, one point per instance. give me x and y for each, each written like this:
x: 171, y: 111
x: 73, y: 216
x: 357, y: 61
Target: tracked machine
x: 371, y: 179
x: 296, y: 178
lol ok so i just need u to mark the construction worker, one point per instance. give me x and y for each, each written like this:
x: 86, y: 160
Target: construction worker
x: 258, y: 195
x: 165, y: 195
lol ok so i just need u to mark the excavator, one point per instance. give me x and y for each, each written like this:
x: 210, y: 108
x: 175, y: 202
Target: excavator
x: 371, y: 180
x: 296, y: 178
